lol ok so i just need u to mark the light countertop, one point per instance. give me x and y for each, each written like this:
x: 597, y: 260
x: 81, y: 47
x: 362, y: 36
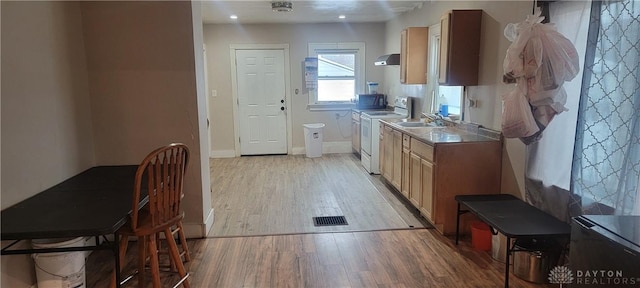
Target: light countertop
x: 442, y: 134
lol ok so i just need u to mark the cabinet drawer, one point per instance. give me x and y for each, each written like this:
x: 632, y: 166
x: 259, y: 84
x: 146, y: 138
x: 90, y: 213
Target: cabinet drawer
x: 423, y: 150
x: 406, y: 141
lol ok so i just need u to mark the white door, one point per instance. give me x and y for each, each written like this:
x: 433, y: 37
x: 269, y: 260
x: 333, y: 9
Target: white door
x: 261, y: 102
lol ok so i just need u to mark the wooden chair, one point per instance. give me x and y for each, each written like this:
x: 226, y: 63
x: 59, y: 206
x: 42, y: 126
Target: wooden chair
x: 183, y: 243
x: 161, y: 176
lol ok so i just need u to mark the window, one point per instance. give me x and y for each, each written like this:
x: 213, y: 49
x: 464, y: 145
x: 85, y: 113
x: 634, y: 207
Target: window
x: 340, y: 74
x: 606, y: 164
x: 336, y: 77
x: 450, y: 95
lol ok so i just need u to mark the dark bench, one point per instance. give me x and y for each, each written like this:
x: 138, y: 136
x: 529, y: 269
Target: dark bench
x: 513, y: 218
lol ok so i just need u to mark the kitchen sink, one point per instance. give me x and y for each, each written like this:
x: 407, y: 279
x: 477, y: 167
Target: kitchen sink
x: 417, y: 124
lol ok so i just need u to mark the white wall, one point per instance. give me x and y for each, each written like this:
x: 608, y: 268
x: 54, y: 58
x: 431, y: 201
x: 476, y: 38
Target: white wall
x: 497, y: 14
x: 144, y: 94
x: 219, y: 37
x: 98, y: 83
x: 46, y: 119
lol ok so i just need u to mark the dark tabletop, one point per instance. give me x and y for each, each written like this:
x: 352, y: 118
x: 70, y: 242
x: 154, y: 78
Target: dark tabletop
x: 513, y: 217
x: 94, y: 202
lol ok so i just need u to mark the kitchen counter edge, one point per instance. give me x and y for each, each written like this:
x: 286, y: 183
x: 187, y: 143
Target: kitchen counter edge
x: 446, y: 134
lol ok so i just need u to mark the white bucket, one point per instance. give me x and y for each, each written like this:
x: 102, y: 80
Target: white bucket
x: 60, y: 270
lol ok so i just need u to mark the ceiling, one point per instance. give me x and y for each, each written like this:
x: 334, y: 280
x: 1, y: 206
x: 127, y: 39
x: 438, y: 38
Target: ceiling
x: 305, y: 11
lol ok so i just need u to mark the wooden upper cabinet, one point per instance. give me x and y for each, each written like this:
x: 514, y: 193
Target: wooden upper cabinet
x: 413, y: 55
x: 460, y: 47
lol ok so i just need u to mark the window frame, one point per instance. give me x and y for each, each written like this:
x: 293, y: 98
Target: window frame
x: 358, y: 49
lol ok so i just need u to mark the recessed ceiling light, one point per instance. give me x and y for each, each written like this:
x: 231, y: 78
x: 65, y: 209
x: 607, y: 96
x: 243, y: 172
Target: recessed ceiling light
x: 233, y: 16
x: 342, y: 16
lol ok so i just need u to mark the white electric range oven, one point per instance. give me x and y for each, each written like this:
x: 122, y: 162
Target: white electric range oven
x: 370, y: 132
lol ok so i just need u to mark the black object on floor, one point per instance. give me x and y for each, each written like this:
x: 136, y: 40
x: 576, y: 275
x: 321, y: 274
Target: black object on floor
x: 329, y: 221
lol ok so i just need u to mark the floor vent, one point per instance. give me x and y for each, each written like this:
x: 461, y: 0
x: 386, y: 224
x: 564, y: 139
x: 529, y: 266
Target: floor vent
x: 329, y: 221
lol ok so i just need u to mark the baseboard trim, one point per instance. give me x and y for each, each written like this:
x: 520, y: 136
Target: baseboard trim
x: 199, y: 230
x: 223, y: 153
x: 328, y: 148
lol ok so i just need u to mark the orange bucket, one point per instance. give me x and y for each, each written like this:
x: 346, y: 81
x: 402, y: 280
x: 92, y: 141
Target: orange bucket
x: 480, y: 236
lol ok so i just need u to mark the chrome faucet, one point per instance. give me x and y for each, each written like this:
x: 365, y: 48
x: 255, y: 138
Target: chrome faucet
x: 436, y: 118
x: 439, y: 119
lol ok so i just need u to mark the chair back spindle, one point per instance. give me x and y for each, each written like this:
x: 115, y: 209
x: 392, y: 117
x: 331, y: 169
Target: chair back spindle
x: 164, y: 171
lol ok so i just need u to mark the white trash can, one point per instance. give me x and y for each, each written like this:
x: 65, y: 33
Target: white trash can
x: 63, y: 269
x: 313, y: 139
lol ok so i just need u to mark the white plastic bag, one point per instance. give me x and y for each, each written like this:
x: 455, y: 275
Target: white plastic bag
x: 520, y: 34
x: 517, y: 118
x: 559, y: 63
x: 540, y: 60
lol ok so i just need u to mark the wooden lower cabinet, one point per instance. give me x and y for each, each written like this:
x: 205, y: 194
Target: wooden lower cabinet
x: 415, y: 180
x: 406, y: 152
x: 396, y: 179
x: 405, y: 172
x: 391, y: 156
x: 431, y: 175
x: 386, y: 153
x: 426, y: 173
x: 422, y: 168
x: 469, y: 168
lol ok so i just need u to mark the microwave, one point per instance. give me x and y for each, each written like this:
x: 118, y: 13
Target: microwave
x: 371, y: 101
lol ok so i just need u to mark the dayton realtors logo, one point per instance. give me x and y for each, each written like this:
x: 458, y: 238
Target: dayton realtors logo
x: 561, y: 275
x: 564, y: 275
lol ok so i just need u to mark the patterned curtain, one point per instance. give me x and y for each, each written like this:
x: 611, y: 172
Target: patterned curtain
x: 606, y: 160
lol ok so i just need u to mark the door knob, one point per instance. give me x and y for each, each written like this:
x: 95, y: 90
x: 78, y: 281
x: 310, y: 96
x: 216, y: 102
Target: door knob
x: 282, y: 101
x: 282, y: 108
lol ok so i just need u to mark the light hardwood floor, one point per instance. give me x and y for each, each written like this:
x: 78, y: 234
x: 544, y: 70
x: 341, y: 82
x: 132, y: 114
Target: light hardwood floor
x: 395, y: 258
x: 267, y: 195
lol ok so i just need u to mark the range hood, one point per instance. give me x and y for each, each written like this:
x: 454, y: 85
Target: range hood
x: 389, y: 59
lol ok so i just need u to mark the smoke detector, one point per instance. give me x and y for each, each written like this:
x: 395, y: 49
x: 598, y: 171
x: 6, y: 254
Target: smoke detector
x: 282, y: 6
